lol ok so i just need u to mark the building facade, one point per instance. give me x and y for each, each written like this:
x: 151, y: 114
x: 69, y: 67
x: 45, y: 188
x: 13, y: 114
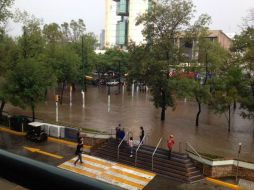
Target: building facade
x: 120, y: 24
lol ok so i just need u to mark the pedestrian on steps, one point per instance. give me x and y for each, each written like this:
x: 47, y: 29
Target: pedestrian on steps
x: 131, y: 144
x: 79, y: 150
x: 170, y: 144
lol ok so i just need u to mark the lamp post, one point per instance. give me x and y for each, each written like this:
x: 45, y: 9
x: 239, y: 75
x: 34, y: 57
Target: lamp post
x: 57, y: 99
x: 108, y: 98
x: 83, y: 75
x: 119, y: 79
x: 70, y: 95
x: 132, y: 89
x: 237, y: 165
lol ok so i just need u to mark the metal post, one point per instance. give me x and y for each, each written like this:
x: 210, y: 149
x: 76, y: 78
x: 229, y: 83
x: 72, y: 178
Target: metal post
x: 237, y: 166
x: 132, y: 89
x: 70, y: 95
x: 83, y: 98
x: 57, y: 99
x: 108, y: 98
x: 56, y: 111
x: 119, y: 79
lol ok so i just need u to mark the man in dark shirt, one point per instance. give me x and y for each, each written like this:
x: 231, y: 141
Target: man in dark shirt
x: 79, y: 150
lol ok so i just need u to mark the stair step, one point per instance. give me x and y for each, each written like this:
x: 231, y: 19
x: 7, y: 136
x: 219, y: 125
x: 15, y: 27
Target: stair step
x: 179, y: 168
x: 161, y: 151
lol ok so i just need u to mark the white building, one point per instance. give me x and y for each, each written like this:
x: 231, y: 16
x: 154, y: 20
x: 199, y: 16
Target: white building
x: 120, y: 24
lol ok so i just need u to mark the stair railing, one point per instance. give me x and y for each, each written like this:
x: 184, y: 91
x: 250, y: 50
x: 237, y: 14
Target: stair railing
x: 118, y: 147
x: 158, y: 144
x: 136, y: 155
x: 195, y: 152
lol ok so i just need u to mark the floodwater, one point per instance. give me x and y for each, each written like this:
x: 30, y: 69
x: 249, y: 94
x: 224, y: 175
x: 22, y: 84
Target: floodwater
x: 137, y: 110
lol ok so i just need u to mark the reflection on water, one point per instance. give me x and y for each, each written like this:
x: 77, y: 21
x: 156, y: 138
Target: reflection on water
x: 133, y: 110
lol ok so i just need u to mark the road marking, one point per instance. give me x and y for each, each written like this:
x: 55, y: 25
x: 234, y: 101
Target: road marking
x: 130, y: 175
x: 77, y: 170
x: 88, y: 165
x: 12, y: 132
x: 36, y: 150
x: 222, y: 183
x: 135, y: 171
x: 110, y: 172
x: 70, y: 143
x: 121, y: 180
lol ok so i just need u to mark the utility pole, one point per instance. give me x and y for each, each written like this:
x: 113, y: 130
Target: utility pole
x: 119, y: 78
x: 83, y: 74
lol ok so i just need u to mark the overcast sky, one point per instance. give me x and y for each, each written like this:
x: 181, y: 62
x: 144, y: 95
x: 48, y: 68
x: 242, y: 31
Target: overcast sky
x: 226, y: 15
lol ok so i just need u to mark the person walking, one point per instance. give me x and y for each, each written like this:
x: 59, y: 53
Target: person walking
x: 78, y: 134
x: 142, y: 133
x: 131, y: 144
x: 170, y: 144
x: 79, y: 151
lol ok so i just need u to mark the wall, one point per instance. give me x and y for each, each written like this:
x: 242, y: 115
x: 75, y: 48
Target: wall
x: 224, y: 168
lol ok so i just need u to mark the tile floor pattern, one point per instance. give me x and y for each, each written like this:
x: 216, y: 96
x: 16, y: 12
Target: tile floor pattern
x: 114, y: 173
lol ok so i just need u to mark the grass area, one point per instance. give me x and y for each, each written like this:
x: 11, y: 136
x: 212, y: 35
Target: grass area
x: 211, y: 156
x: 208, y: 156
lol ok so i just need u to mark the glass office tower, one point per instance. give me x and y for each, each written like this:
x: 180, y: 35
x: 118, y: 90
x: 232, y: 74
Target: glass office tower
x: 120, y: 25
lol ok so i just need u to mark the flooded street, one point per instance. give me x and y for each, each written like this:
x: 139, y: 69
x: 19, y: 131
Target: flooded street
x: 137, y: 110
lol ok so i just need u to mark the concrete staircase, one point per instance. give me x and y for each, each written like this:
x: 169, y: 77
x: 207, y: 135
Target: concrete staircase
x: 179, y: 168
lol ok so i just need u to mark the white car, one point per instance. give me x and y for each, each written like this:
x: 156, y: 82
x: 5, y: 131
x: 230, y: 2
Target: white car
x: 112, y: 83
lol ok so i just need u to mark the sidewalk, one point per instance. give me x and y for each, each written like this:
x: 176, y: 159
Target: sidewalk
x: 7, y: 185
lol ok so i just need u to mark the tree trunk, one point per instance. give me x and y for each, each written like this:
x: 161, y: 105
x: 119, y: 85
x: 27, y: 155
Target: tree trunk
x: 234, y: 105
x: 33, y: 112
x: 163, y: 113
x: 45, y: 94
x: 199, y: 111
x: 62, y: 91
x: 163, y: 107
x: 2, y: 108
x: 229, y: 118
x: 73, y: 87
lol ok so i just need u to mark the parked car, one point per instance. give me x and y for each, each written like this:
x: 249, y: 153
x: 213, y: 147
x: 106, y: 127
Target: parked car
x: 112, y: 83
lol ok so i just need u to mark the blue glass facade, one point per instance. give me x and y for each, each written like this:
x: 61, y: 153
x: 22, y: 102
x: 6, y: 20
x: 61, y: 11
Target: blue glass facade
x: 122, y: 7
x: 121, y: 32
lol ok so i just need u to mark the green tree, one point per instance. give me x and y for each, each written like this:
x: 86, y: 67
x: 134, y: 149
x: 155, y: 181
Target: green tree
x: 164, y: 24
x: 5, y: 13
x: 26, y: 84
x: 243, y: 53
x: 138, y: 58
x: 228, y: 85
x: 8, y: 61
x: 64, y: 63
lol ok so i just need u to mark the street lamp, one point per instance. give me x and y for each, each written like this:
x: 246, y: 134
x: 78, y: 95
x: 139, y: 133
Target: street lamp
x: 108, y: 98
x: 237, y: 165
x: 119, y: 79
x: 57, y: 99
x: 83, y: 75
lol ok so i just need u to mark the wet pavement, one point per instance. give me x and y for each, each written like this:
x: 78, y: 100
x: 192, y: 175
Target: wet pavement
x: 135, y: 111
x: 7, y: 185
x: 15, y: 144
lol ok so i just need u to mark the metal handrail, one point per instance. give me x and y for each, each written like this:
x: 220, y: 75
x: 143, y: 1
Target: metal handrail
x: 118, y: 147
x: 138, y: 149
x: 158, y: 144
x: 194, y: 150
